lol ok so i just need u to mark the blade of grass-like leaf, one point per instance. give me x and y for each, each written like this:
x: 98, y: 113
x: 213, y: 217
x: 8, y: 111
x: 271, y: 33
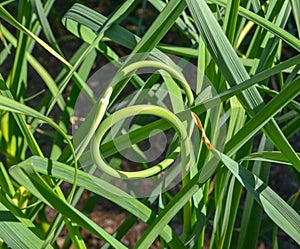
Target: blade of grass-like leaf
x: 16, y: 234
x: 168, y: 213
x: 11, y: 20
x: 277, y: 209
x: 83, y: 73
x: 231, y: 16
x: 200, y: 199
x: 233, y: 71
x: 15, y: 210
x: 5, y: 181
x: 6, y: 51
x: 271, y: 48
x: 38, y: 7
x: 39, y: 69
x: 293, y: 105
x: 292, y: 127
x: 36, y: 27
x: 184, y: 26
x: 228, y: 189
x: 160, y: 26
x: 98, y: 186
x: 119, y: 13
x: 75, y: 235
x: 44, y: 103
x: 269, y: 156
x: 7, y: 2
x: 296, y: 12
x: 32, y: 143
x: 78, y: 21
x: 256, y: 5
x: 18, y: 108
x: 256, y: 46
x: 288, y: 116
x: 47, y: 79
x: 35, y: 184
x: 281, y: 33
x: 265, y: 114
x: 228, y: 211
x: 293, y: 74
x: 17, y: 80
x: 176, y: 50
x: 252, y: 212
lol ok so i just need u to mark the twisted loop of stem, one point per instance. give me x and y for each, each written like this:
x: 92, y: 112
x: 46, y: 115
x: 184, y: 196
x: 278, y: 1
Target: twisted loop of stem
x: 174, y: 72
x: 176, y: 123
x: 142, y: 110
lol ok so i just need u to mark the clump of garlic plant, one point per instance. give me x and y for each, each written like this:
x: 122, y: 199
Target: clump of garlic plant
x: 238, y: 46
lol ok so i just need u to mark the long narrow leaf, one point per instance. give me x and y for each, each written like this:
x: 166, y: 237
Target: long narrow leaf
x: 276, y: 208
x: 98, y: 186
x: 16, y: 234
x: 234, y: 72
x: 35, y: 184
x: 11, y: 20
x: 281, y: 33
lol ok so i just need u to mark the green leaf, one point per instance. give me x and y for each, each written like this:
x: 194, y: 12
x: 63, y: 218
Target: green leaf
x: 38, y: 8
x: 48, y: 80
x: 234, y: 72
x: 276, y: 208
x: 118, y: 14
x: 252, y: 212
x: 274, y: 29
x: 265, y: 114
x: 296, y: 11
x: 36, y: 185
x: 15, y: 233
x: 168, y: 213
x: 5, y: 181
x: 11, y: 20
x: 269, y: 156
x: 93, y: 184
x: 32, y: 143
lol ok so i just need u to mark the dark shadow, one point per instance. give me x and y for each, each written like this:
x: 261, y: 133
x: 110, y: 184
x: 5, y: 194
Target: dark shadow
x: 49, y: 167
x: 7, y: 216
